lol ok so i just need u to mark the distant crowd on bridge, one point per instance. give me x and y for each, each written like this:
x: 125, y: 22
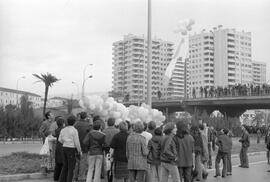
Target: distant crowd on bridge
x: 232, y: 91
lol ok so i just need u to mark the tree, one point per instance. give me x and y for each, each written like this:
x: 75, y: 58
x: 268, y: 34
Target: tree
x: 258, y: 119
x: 48, y: 79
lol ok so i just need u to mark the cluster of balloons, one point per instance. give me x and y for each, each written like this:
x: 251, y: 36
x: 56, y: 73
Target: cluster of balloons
x: 184, y: 26
x: 107, y: 107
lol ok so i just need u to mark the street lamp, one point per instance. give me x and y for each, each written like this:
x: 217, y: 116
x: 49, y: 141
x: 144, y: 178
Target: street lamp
x: 17, y: 86
x: 83, y: 85
x: 84, y: 79
x: 78, y: 91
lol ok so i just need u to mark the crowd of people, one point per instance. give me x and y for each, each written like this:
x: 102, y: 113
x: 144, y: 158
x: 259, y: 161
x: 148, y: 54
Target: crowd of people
x: 232, y: 91
x: 86, y: 148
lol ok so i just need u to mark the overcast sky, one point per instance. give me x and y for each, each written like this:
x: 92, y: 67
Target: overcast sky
x: 62, y: 36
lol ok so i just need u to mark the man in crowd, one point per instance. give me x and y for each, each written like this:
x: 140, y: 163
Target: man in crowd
x: 245, y: 144
x: 83, y: 126
x: 224, y: 144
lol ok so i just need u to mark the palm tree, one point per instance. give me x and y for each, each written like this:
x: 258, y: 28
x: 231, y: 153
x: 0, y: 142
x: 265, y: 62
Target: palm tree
x: 48, y: 79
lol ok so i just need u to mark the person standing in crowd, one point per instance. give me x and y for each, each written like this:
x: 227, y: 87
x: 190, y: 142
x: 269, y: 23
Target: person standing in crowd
x: 224, y: 146
x: 151, y: 127
x: 70, y: 139
x: 210, y: 138
x: 136, y: 152
x: 147, y: 136
x: 83, y: 127
x: 185, y: 149
x: 205, y: 153
x: 110, y: 131
x: 153, y: 158
x: 58, y: 149
x: 229, y: 157
x: 198, y: 150
x: 95, y: 140
x: 267, y: 143
x: 118, y: 150
x: 44, y: 129
x: 245, y: 144
x: 213, y: 139
x: 168, y: 156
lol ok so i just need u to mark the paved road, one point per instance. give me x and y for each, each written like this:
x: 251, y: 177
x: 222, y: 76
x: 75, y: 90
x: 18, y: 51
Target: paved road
x: 256, y: 173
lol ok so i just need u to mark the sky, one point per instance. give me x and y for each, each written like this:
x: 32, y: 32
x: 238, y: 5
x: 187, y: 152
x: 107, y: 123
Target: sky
x: 63, y: 36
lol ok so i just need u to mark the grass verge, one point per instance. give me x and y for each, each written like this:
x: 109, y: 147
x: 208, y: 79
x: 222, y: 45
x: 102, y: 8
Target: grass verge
x: 20, y: 162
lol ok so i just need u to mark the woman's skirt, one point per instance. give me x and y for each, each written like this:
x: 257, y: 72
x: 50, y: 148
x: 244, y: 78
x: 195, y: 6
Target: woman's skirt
x: 120, y: 169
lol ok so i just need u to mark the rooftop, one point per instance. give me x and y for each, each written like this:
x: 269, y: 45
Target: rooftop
x: 18, y: 92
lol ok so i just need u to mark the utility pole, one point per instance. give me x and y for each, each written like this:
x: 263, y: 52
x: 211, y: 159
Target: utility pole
x: 149, y: 56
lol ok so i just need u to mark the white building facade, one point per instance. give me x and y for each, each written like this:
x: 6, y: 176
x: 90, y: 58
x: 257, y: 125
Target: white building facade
x: 220, y: 58
x: 259, y: 73
x: 130, y: 66
x: 13, y: 97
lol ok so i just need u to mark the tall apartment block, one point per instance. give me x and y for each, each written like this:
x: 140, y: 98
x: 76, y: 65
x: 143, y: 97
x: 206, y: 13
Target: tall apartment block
x: 130, y: 66
x: 259, y: 73
x: 221, y: 57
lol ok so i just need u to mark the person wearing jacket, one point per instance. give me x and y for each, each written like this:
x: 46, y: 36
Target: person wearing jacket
x: 136, y: 152
x: 245, y: 144
x: 229, y: 158
x: 224, y: 144
x: 198, y: 150
x: 95, y: 139
x: 83, y: 126
x: 71, y: 146
x: 58, y: 150
x: 185, y: 149
x: 168, y: 156
x: 153, y: 158
x: 118, y: 150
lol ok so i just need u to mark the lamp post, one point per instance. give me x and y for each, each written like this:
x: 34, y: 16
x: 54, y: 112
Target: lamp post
x: 149, y: 57
x: 17, y: 86
x: 78, y: 91
x: 83, y: 85
x: 84, y: 79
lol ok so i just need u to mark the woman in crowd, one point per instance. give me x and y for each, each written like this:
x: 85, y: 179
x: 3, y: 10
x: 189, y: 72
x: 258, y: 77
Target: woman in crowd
x: 136, y: 152
x: 153, y: 158
x: 70, y: 139
x: 58, y: 150
x: 168, y: 154
x: 118, y: 146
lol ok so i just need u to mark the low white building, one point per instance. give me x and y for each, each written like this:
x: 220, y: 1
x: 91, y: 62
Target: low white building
x: 13, y: 97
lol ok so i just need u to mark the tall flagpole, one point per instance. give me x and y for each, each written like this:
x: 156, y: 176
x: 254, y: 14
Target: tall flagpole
x: 149, y: 57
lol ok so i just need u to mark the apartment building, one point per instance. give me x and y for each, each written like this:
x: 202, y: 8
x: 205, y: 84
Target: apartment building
x: 130, y: 67
x: 259, y: 73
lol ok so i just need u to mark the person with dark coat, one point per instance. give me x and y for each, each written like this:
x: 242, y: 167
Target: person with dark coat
x: 83, y: 126
x: 58, y: 150
x: 118, y: 148
x: 198, y: 150
x: 185, y: 149
x: 153, y: 158
x: 95, y: 140
x: 168, y: 154
x: 245, y: 144
x: 229, y: 158
x: 224, y: 144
